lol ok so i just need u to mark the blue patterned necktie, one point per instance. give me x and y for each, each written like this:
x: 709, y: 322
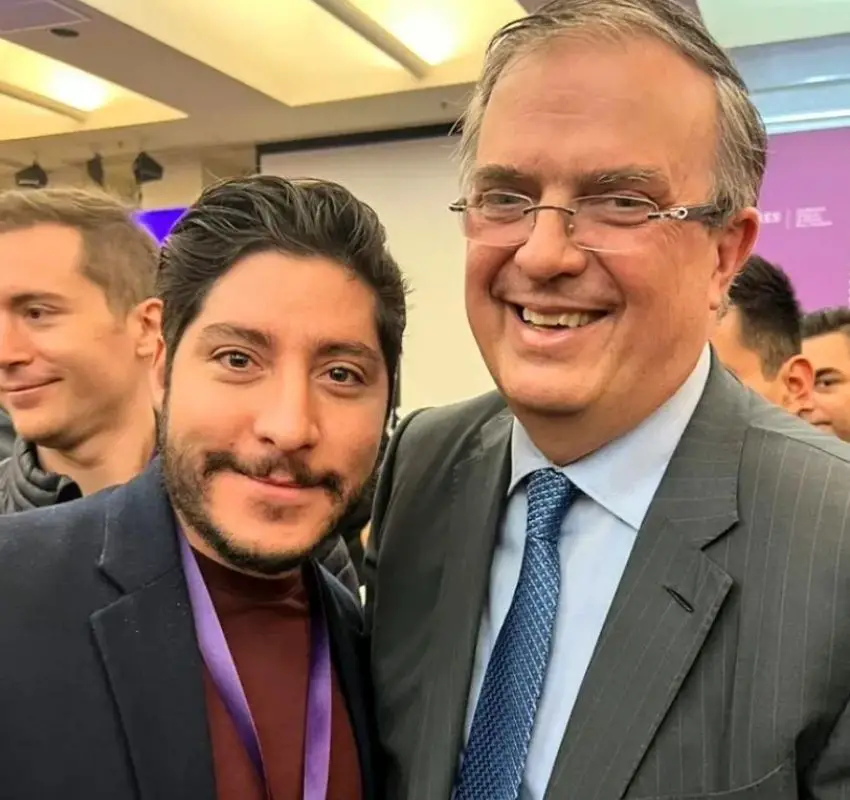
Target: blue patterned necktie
x: 494, y: 760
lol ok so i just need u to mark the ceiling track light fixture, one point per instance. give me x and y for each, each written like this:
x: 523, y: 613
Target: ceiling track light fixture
x: 95, y: 170
x: 364, y: 26
x: 147, y: 169
x: 32, y: 177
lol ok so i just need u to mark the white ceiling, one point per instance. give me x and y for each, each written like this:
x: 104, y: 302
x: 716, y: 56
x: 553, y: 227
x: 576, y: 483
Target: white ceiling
x: 175, y: 74
x: 738, y: 23
x: 166, y: 74
x: 794, y: 55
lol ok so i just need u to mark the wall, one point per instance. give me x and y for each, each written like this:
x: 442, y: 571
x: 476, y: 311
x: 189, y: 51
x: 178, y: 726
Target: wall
x: 182, y: 182
x: 805, y: 205
x: 410, y: 185
x: 119, y: 179
x: 186, y: 173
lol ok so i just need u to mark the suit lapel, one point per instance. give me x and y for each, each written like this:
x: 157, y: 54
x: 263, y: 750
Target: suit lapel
x: 147, y: 642
x: 668, y: 599
x: 479, y: 485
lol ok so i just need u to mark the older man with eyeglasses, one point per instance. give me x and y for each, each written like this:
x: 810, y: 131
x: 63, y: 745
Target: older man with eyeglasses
x: 621, y: 575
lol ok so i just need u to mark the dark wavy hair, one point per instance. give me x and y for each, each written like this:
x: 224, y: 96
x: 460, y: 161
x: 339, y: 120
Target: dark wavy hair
x: 241, y: 216
x: 827, y: 320
x: 769, y: 312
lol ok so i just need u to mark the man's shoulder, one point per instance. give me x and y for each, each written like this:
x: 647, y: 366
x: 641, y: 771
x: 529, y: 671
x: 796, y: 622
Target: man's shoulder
x: 798, y: 472
x: 453, y: 426
x: 44, y: 537
x: 774, y: 428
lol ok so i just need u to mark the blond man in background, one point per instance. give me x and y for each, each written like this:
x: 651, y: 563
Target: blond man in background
x: 78, y: 329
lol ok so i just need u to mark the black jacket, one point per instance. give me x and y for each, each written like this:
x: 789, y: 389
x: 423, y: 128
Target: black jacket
x: 101, y: 681
x: 24, y: 485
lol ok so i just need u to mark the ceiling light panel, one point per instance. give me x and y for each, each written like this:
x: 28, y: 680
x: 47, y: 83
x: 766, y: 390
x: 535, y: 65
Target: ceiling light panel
x: 439, y: 31
x: 299, y: 53
x: 42, y: 75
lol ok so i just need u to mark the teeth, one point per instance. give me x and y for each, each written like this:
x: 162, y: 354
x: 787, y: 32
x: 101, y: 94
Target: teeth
x: 572, y: 320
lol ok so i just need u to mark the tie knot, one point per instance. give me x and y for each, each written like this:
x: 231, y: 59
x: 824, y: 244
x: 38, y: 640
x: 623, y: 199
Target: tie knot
x: 550, y: 494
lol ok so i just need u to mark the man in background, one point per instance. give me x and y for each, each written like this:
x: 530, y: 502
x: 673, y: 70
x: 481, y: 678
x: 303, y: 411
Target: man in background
x: 77, y: 334
x: 826, y: 344
x: 758, y: 340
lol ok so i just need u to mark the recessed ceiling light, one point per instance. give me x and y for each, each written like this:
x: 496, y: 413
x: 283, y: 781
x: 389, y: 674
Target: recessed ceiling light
x: 65, y: 33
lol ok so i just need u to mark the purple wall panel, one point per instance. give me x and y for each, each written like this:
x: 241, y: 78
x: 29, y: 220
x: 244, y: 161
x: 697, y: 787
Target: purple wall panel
x: 805, y: 206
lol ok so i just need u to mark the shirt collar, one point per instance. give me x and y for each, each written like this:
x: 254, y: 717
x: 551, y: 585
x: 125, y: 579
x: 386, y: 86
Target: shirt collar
x: 624, y: 475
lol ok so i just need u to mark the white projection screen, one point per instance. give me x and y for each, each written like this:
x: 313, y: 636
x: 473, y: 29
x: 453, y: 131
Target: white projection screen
x: 410, y: 183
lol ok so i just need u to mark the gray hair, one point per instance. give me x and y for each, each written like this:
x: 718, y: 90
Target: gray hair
x: 741, y: 139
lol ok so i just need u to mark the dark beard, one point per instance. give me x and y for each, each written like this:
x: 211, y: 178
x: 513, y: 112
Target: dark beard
x: 188, y: 488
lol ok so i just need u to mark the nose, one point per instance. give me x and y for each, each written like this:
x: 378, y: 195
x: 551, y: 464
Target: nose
x: 806, y: 407
x: 550, y: 251
x: 287, y: 416
x: 14, y: 347
x: 813, y: 412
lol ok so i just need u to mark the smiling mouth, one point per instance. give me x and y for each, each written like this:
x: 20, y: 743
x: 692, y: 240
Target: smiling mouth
x: 570, y: 320
x: 21, y: 389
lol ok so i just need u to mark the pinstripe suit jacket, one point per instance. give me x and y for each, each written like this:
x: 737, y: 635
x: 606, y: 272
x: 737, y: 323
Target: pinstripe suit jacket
x: 739, y: 693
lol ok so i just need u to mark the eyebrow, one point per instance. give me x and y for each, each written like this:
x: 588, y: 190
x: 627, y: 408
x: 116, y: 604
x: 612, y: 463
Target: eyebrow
x: 346, y: 349
x: 628, y: 174
x: 225, y: 330
x: 26, y: 298
x: 495, y: 173
x: 323, y: 348
x: 822, y: 373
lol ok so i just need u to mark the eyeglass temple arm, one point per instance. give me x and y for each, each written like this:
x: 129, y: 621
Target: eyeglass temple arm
x: 694, y: 213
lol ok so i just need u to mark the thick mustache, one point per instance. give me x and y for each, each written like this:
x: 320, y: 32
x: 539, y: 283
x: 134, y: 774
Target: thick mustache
x: 302, y: 475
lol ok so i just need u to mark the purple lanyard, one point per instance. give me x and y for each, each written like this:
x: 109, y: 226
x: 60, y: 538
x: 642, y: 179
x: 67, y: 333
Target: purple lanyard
x: 222, y: 670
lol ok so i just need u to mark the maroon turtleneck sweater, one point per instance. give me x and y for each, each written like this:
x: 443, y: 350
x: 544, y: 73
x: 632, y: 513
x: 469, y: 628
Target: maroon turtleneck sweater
x: 267, y: 627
